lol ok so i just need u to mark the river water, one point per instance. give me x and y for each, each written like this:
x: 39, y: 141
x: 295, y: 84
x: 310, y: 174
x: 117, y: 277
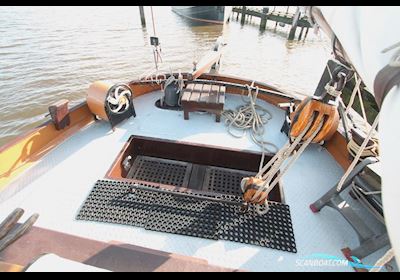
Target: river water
x: 50, y: 53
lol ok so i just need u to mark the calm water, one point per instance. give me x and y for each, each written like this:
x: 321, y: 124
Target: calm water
x: 50, y: 53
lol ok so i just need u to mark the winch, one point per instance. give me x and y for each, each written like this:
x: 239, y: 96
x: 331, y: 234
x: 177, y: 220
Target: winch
x: 112, y: 103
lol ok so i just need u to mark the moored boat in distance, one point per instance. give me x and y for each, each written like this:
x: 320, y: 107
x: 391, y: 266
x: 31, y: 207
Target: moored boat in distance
x: 205, y: 14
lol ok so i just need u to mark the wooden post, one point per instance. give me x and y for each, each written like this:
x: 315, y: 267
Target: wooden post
x: 301, y: 33
x: 295, y: 22
x: 264, y: 18
x: 305, y: 35
x: 142, y: 18
x: 243, y: 15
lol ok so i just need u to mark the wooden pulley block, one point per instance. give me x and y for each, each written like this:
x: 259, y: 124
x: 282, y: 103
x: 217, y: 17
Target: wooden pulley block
x: 251, y: 186
x: 311, y: 108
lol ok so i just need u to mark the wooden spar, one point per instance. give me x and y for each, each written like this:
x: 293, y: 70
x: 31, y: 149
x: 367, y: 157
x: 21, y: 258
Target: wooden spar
x: 10, y: 222
x: 205, y: 63
x: 18, y: 232
x: 142, y: 17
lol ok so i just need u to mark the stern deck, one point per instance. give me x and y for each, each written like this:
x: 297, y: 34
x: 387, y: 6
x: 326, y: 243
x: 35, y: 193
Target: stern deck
x: 59, y: 184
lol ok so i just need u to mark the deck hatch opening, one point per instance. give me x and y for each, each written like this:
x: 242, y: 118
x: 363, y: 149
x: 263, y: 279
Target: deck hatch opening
x: 191, y: 167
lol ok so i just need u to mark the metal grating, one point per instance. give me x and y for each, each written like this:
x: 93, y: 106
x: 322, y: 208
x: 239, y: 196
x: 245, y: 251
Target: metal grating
x: 224, y: 180
x: 113, y: 202
x: 163, y: 171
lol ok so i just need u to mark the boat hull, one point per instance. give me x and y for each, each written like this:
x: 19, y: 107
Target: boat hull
x: 205, y: 14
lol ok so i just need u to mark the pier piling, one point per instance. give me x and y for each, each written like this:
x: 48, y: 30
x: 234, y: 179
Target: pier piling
x: 301, y: 33
x: 142, y: 18
x: 295, y: 22
x: 279, y: 17
x: 305, y: 35
x: 264, y: 18
x: 243, y: 15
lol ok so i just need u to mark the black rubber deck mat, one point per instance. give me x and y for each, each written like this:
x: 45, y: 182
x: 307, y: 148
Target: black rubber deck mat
x: 186, y: 216
x: 110, y: 202
x: 273, y: 230
x: 113, y: 202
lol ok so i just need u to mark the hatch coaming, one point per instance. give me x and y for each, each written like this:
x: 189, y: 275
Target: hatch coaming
x: 189, y: 166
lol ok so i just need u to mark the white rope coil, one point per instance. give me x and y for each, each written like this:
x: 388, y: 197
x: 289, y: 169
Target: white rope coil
x: 250, y: 117
x: 369, y: 151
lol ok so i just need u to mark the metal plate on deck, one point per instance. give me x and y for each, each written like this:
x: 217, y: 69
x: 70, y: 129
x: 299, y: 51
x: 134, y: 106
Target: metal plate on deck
x: 114, y: 202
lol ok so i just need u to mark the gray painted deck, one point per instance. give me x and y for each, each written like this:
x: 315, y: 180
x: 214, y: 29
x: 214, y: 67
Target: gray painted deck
x: 58, y: 185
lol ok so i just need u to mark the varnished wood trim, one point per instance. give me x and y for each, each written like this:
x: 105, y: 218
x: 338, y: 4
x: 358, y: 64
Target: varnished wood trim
x: 9, y: 267
x: 337, y: 147
x: 28, y: 148
x: 274, y: 99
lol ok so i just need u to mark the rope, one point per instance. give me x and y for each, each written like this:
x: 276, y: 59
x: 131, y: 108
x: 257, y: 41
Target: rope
x: 352, y: 146
x: 171, y: 79
x: 267, y: 188
x: 383, y: 261
x: 358, y: 155
x: 332, y: 91
x: 251, y: 117
x: 369, y: 151
x: 362, y: 107
x: 353, y: 95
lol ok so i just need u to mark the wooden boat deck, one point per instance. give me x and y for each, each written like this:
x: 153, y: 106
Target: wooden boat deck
x: 57, y: 186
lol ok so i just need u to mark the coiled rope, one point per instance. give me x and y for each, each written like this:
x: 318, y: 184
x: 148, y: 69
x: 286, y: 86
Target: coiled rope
x: 250, y: 117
